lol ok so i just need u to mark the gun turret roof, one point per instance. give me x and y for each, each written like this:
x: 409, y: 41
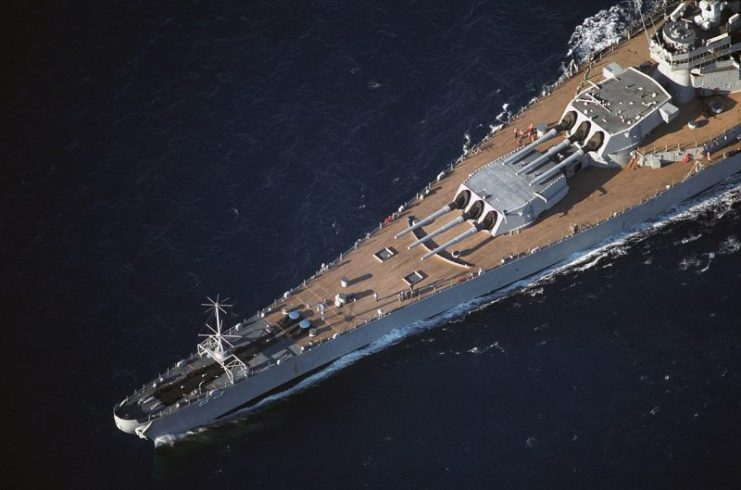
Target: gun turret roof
x: 500, y: 184
x: 621, y: 102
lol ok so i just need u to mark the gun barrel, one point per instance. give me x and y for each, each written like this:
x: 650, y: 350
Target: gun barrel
x: 523, y: 152
x: 460, y: 219
x: 550, y: 173
x: 544, y: 157
x: 424, y: 221
x: 471, y: 231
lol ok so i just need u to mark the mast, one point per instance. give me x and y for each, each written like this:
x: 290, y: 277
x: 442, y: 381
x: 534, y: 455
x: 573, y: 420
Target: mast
x: 217, y: 344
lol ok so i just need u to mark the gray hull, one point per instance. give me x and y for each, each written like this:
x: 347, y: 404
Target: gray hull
x: 200, y: 414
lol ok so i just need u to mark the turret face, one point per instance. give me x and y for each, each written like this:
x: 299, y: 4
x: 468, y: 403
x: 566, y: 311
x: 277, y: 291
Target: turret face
x: 695, y: 49
x: 507, y: 195
x: 615, y: 116
x: 604, y: 123
x: 603, y: 126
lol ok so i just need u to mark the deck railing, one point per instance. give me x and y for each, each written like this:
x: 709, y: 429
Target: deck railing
x: 431, y: 290
x: 419, y: 294
x: 630, y: 32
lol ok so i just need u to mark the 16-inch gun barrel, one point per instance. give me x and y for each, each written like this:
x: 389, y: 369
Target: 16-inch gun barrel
x: 544, y: 157
x: 471, y: 231
x: 422, y: 222
x: 525, y: 151
x: 460, y: 219
x: 553, y: 171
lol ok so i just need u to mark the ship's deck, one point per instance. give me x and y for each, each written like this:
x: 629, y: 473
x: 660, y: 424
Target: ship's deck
x: 595, y: 194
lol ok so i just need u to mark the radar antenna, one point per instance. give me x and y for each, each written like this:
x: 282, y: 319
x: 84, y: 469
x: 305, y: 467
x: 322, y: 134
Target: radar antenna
x: 217, y: 344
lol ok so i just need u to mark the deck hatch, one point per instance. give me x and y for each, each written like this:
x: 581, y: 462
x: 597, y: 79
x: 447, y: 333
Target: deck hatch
x: 414, y: 278
x: 384, y: 254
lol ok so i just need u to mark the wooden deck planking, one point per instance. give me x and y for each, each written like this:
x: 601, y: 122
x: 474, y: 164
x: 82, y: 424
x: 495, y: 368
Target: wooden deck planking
x: 595, y: 194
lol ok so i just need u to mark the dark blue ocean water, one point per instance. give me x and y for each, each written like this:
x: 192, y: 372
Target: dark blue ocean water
x: 154, y: 153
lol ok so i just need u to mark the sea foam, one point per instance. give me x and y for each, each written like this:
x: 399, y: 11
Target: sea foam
x: 605, y: 28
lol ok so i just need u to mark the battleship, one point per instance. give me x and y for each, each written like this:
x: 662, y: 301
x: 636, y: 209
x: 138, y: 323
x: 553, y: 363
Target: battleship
x: 637, y: 129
